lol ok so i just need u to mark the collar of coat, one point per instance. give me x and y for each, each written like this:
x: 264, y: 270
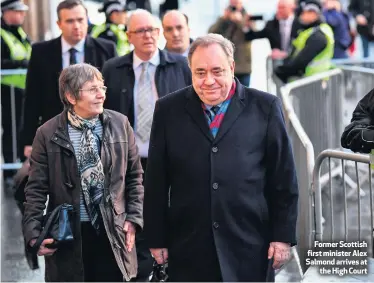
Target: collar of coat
x: 62, y: 123
x: 165, y: 59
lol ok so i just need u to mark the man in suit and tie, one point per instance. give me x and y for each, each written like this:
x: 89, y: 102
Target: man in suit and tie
x: 221, y: 192
x: 47, y: 60
x: 280, y: 31
x: 135, y: 81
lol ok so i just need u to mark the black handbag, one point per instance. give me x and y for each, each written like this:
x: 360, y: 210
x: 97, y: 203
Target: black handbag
x: 159, y: 273
x: 57, y: 225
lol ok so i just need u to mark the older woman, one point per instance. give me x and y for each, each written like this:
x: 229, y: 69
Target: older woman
x: 78, y: 157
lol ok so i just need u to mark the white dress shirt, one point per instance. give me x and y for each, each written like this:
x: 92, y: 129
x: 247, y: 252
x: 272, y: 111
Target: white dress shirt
x: 154, y: 62
x: 66, y: 55
x: 285, y: 32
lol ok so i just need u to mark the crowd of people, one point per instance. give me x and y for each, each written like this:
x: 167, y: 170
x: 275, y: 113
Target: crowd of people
x: 151, y: 146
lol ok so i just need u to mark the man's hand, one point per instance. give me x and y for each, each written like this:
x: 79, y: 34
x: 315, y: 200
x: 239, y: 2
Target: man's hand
x: 280, y: 252
x: 160, y: 255
x: 130, y: 231
x: 43, y: 250
x: 236, y: 17
x: 27, y: 151
x: 277, y: 54
x: 226, y: 14
x: 361, y: 20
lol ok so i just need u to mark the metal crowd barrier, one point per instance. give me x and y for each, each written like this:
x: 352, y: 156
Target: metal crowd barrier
x: 365, y: 63
x: 317, y: 103
x: 346, y: 219
x: 16, y: 164
x: 304, y: 159
x: 273, y: 84
x: 314, y: 108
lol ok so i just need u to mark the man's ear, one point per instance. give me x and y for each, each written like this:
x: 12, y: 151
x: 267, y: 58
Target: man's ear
x: 232, y: 67
x: 72, y: 100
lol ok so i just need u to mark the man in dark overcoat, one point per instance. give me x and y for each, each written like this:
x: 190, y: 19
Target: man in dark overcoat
x: 220, y: 191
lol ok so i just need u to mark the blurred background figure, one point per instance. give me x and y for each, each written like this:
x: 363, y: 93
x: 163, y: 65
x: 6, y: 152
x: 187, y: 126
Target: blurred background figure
x: 114, y: 28
x: 313, y: 48
x: 139, y: 4
x: 168, y: 5
x: 176, y: 32
x: 363, y: 11
x: 339, y: 22
x: 15, y: 54
x: 280, y: 31
x: 231, y: 26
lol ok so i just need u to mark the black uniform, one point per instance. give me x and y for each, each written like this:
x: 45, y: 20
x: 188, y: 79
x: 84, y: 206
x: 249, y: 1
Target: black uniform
x: 295, y: 66
x: 6, y: 64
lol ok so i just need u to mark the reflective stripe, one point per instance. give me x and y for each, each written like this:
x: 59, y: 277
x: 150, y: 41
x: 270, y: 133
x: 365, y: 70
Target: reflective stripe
x: 322, y: 61
x: 18, y: 51
x: 123, y: 45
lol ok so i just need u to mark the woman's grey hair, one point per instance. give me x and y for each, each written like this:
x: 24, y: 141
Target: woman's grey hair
x: 72, y: 80
x: 209, y: 39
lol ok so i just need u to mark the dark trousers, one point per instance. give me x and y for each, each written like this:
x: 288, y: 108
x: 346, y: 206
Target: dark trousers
x: 145, y: 260
x: 98, y: 259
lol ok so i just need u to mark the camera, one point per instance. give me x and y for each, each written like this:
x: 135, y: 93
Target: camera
x: 256, y: 18
x: 232, y: 8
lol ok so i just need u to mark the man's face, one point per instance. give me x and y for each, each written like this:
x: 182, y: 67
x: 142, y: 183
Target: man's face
x: 285, y: 9
x: 236, y: 3
x: 212, y: 74
x: 15, y: 18
x: 143, y: 34
x: 91, y: 100
x: 176, y: 32
x: 308, y: 17
x: 119, y: 17
x: 73, y: 24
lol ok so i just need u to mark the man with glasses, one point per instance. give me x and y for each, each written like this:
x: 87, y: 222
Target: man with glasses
x: 220, y: 194
x: 135, y: 81
x: 49, y: 58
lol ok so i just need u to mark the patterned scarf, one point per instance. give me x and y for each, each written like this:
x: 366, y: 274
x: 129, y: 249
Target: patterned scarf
x: 218, y: 118
x: 90, y: 166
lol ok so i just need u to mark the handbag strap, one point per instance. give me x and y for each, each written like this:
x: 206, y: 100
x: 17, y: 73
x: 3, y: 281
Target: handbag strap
x: 46, y: 228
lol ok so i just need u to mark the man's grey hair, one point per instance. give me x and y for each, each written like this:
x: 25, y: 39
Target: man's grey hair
x: 72, y: 80
x: 210, y: 39
x: 142, y: 12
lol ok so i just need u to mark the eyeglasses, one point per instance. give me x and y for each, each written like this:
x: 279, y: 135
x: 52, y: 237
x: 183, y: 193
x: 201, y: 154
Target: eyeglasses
x: 143, y: 31
x: 94, y: 90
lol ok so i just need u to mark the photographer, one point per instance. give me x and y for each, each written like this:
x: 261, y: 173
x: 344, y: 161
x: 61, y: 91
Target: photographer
x: 280, y: 31
x: 231, y: 26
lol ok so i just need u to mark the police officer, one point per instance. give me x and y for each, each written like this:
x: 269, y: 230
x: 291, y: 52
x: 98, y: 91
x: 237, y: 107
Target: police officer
x: 313, y: 48
x: 15, y: 53
x: 114, y: 27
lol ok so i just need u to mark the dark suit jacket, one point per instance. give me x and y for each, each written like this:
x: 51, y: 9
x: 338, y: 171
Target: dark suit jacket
x: 42, y: 100
x: 172, y: 74
x: 271, y: 31
x: 230, y: 196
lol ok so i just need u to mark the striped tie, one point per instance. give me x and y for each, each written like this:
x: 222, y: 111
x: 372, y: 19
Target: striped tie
x: 145, y: 104
x: 212, y: 112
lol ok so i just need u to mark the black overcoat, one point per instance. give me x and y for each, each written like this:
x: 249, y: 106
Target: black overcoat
x: 230, y: 196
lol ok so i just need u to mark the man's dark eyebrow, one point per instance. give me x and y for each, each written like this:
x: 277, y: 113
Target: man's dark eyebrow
x: 74, y: 19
